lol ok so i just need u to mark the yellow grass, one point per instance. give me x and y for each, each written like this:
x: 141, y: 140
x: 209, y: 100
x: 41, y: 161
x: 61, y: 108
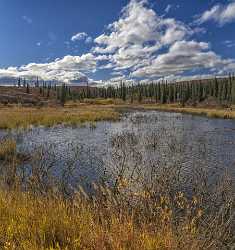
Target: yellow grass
x: 223, y: 113
x: 100, y: 101
x: 31, y: 223
x: 17, y: 117
x: 91, y: 111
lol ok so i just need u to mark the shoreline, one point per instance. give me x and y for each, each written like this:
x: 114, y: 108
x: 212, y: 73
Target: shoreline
x: 208, y: 112
x: 78, y: 113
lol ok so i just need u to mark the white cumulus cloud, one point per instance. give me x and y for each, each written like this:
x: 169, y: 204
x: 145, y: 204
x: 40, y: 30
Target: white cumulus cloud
x: 81, y: 36
x: 139, y: 32
x: 220, y: 14
x: 135, y: 43
x: 67, y: 69
x: 140, y: 44
x: 184, y: 56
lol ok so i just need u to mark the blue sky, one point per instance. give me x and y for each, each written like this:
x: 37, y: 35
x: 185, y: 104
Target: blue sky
x: 112, y: 40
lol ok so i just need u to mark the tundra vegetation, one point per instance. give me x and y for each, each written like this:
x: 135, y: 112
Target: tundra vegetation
x: 23, y: 117
x: 136, y: 204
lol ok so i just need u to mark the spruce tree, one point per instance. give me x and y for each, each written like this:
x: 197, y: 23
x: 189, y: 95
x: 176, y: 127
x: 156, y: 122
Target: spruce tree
x: 27, y: 89
x: 37, y: 82
x: 233, y: 92
x: 48, y: 92
x: 163, y: 93
x: 19, y: 82
x: 216, y: 88
x: 140, y: 94
x: 124, y: 92
x: 132, y: 94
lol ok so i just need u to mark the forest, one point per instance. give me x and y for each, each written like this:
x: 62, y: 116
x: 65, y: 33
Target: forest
x: 191, y: 92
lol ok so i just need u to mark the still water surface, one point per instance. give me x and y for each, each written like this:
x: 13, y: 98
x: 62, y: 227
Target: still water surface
x: 141, y: 138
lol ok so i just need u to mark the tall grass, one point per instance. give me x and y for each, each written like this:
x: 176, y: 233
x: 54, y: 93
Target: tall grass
x: 131, y: 210
x: 24, y: 117
x: 109, y: 222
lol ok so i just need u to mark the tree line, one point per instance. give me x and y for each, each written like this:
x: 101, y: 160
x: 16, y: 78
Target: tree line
x: 223, y: 90
x: 195, y: 91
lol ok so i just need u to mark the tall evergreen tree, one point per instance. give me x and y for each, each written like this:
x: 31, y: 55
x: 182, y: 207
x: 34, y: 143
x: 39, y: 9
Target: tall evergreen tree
x: 19, y: 82
x: 27, y: 89
x: 233, y: 91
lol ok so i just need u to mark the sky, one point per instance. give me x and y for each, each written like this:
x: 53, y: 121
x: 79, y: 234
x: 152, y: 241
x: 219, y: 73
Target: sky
x: 111, y: 40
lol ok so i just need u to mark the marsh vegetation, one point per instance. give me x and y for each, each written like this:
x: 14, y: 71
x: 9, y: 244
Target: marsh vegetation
x: 22, y: 117
x: 151, y: 180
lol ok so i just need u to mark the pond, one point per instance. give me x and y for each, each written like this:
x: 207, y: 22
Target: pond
x: 142, y: 141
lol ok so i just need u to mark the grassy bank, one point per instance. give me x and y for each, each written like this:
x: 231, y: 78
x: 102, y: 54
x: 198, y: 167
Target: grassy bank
x: 92, y: 111
x: 203, y: 111
x: 37, y: 223
x: 211, y: 112
x: 21, y: 117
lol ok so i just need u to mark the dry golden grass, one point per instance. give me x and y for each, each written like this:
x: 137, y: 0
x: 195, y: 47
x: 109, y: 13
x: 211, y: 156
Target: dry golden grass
x: 75, y: 113
x: 16, y: 117
x: 100, y: 101
x: 203, y: 111
x: 27, y: 222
